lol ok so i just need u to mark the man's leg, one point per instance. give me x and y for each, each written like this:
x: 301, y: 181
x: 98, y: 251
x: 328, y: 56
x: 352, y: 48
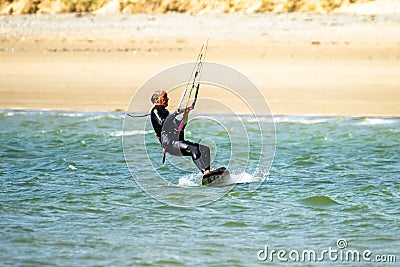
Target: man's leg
x: 200, y: 154
x: 201, y: 157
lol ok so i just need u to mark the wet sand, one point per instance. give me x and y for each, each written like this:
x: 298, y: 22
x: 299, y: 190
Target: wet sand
x: 303, y: 64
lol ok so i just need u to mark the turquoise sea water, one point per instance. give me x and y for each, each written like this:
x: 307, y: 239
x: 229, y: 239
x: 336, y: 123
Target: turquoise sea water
x: 68, y: 198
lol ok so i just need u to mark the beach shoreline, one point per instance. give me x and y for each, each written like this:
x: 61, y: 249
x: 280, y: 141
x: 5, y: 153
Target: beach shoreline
x: 304, y: 64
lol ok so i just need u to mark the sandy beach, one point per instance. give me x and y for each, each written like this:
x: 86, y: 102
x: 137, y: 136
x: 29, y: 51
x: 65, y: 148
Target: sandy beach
x: 304, y: 64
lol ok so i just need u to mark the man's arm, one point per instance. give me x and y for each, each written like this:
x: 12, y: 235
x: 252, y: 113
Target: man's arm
x: 185, y: 117
x: 159, y: 116
x: 172, y: 126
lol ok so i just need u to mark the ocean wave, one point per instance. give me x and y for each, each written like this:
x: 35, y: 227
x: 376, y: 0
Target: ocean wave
x: 103, y: 116
x: 377, y: 121
x: 301, y: 119
x: 130, y: 133
x: 7, y: 113
x: 11, y: 113
x: 320, y: 201
x: 69, y: 114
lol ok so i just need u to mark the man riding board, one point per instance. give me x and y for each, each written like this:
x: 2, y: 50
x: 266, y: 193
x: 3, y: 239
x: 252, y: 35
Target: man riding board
x: 170, y: 129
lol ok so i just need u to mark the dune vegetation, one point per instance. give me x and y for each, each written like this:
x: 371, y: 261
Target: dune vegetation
x: 167, y: 6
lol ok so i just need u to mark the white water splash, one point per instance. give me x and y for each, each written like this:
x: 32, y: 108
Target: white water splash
x: 377, y: 121
x: 72, y: 167
x: 194, y: 179
x: 301, y: 120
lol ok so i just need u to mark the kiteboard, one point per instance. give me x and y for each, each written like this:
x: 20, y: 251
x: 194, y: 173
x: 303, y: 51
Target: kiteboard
x: 214, y: 175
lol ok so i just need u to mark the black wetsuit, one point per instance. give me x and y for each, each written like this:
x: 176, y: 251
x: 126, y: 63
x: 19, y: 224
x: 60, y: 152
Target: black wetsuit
x: 166, y: 126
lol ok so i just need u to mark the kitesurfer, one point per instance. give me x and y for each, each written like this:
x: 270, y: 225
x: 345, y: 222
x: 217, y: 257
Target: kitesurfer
x: 170, y: 128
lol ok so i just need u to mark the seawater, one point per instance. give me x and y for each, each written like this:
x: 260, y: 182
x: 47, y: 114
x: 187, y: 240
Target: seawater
x: 68, y: 198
